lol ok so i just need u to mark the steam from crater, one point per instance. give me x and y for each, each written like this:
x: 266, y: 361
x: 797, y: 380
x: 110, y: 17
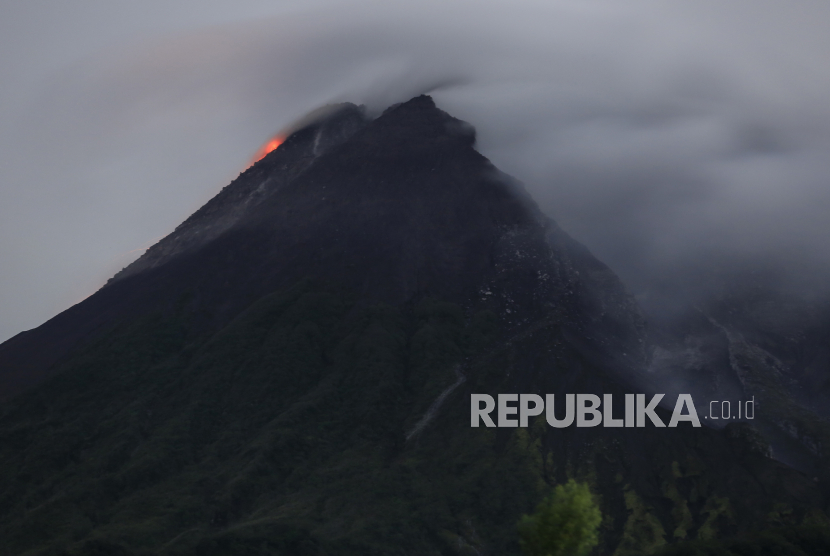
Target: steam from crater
x: 669, y: 137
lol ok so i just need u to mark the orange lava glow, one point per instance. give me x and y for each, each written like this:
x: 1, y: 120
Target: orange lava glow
x: 269, y: 146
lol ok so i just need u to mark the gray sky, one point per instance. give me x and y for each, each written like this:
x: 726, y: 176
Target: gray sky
x: 659, y: 133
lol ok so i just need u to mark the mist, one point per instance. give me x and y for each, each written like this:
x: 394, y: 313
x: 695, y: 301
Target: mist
x: 671, y: 139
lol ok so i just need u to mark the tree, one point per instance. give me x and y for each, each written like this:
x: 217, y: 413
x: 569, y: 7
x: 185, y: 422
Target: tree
x: 565, y: 523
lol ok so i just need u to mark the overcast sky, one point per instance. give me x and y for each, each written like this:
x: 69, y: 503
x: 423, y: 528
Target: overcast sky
x: 659, y: 133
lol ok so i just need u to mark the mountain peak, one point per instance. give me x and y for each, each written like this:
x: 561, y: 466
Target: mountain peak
x: 421, y: 103
x: 291, y: 370
x: 393, y: 209
x: 421, y: 117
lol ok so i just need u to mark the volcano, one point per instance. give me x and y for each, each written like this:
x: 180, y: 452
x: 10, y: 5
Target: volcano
x: 290, y: 372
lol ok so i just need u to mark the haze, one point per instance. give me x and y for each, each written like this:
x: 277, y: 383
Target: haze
x: 668, y: 137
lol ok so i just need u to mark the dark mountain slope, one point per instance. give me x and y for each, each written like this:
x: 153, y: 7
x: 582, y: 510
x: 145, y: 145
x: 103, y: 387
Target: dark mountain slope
x: 404, y: 208
x: 758, y: 338
x: 290, y: 371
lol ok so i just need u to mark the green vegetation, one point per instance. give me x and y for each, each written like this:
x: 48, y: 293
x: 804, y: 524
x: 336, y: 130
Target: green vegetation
x: 792, y: 541
x: 643, y: 532
x: 285, y: 433
x: 564, y: 524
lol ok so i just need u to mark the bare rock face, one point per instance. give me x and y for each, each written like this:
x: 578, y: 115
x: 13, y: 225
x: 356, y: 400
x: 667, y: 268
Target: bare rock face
x: 755, y: 341
x: 236, y: 201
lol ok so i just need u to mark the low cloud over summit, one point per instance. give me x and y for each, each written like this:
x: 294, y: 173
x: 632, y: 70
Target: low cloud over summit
x: 667, y: 137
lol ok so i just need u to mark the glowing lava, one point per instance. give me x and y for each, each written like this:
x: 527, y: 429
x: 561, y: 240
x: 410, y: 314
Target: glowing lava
x: 269, y: 146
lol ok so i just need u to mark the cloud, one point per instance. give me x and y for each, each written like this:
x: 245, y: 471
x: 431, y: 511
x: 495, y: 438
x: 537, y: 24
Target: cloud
x: 663, y: 135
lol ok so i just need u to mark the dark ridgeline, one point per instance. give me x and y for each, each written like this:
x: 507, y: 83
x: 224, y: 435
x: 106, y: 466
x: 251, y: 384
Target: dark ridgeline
x: 395, y: 209
x: 265, y: 379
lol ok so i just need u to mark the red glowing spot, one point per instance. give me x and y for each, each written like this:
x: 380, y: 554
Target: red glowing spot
x: 269, y: 146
